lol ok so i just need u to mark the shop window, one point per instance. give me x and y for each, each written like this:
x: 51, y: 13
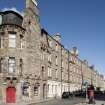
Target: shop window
x: 12, y: 40
x: 48, y: 88
x: 12, y: 65
x: 36, y: 90
x: 25, y: 89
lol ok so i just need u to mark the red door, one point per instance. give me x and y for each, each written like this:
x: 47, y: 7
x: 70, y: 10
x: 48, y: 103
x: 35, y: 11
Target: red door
x: 10, y: 95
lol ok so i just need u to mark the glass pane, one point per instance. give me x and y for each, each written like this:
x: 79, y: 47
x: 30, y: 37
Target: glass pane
x: 11, y: 65
x: 11, y: 70
x: 12, y: 40
x: 12, y: 43
x: 12, y: 36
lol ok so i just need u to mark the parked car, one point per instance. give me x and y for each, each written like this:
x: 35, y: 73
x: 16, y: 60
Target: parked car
x: 80, y: 93
x: 67, y: 95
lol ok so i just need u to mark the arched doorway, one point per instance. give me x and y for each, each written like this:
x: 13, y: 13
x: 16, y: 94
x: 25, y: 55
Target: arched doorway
x: 11, y: 95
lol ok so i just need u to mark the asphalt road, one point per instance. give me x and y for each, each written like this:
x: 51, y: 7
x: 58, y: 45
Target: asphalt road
x: 62, y: 102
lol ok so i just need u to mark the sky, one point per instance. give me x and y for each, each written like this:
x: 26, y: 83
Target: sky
x: 81, y: 23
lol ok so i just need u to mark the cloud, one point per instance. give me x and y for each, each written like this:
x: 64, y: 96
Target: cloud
x: 13, y: 9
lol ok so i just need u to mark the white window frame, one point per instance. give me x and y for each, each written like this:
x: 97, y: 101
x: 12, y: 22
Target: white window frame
x: 11, y: 65
x: 12, y: 40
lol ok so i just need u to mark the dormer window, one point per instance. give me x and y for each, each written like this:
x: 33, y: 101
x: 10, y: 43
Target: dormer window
x: 50, y: 43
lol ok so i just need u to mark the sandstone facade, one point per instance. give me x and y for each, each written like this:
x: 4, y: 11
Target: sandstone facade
x: 35, y: 64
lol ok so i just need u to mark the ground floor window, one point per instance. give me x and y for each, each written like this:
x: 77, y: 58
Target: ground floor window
x: 35, y: 90
x: 48, y: 88
x: 25, y: 89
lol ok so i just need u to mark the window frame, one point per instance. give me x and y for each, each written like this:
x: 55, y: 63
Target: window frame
x: 12, y: 39
x: 11, y: 65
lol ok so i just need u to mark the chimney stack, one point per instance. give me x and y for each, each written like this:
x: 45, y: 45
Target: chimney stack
x: 57, y: 37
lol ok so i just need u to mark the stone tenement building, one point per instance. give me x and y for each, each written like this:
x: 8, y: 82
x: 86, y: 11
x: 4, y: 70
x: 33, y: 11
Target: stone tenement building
x: 35, y: 65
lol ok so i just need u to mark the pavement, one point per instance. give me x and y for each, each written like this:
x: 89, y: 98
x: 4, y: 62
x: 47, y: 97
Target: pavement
x: 50, y: 102
x: 74, y: 101
x: 96, y: 103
